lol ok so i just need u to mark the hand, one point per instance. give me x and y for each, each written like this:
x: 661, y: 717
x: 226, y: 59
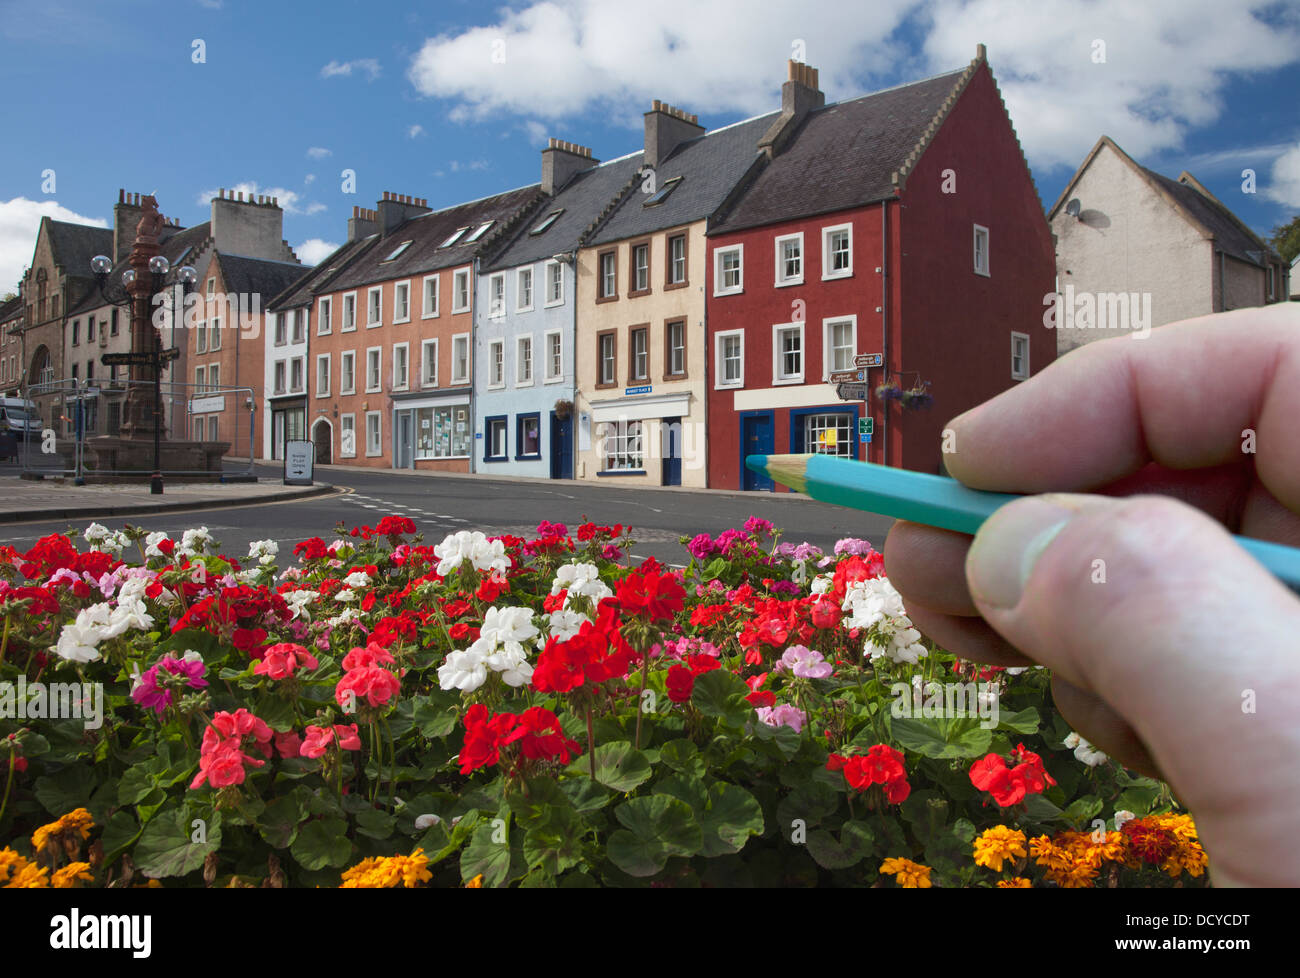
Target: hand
x: 1172, y: 649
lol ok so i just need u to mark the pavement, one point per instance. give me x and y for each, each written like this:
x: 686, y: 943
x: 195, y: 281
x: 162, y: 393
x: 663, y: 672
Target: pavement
x: 56, y: 499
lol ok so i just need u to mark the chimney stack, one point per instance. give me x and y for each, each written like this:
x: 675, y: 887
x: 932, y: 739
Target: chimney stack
x: 560, y: 161
x: 666, y: 128
x: 799, y: 96
x: 363, y: 223
x: 394, y: 209
x: 126, y: 215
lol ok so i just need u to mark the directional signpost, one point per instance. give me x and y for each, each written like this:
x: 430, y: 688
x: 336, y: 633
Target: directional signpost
x: 852, y: 392
x: 848, y: 377
x: 868, y: 360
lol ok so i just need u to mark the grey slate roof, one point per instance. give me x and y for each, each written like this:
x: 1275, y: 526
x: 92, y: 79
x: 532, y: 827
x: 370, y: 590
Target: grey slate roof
x: 711, y: 165
x: 842, y: 155
x: 74, y: 245
x: 319, y: 278
x: 180, y: 247
x: 428, y: 231
x: 1229, y: 233
x: 583, y: 199
x: 259, y: 276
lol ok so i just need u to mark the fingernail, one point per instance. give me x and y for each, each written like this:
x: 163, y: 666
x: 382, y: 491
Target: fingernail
x: 1008, y: 545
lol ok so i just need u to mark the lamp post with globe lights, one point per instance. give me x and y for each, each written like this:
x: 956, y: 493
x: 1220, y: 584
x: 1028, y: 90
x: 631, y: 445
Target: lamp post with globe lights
x: 146, y: 277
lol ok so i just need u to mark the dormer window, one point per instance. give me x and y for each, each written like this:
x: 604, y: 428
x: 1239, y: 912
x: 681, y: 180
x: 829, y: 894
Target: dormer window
x: 478, y: 232
x: 546, y: 222
x: 398, y: 250
x: 453, y: 238
x: 660, y: 195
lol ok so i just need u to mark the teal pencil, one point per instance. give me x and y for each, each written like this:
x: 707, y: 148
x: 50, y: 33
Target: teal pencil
x: 937, y: 501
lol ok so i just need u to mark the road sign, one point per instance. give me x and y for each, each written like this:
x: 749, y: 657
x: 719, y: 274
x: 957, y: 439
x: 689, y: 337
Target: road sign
x: 126, y: 359
x: 866, y: 426
x: 868, y: 360
x: 848, y: 377
x: 166, y: 356
x: 852, y: 392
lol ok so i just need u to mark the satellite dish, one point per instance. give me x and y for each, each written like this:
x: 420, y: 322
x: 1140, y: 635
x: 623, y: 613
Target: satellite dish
x: 1072, y: 208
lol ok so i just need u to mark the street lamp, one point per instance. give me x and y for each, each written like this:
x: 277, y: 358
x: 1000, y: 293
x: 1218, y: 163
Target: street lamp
x: 126, y: 295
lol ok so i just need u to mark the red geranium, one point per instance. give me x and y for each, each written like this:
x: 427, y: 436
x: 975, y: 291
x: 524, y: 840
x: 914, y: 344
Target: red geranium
x: 880, y: 765
x: 648, y: 593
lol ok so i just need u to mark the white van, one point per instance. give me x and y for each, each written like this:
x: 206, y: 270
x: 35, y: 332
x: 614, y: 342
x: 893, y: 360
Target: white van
x: 19, y: 418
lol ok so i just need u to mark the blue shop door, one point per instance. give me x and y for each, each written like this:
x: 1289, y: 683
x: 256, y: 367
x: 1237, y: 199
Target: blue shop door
x: 671, y: 440
x: 756, y: 435
x: 561, y: 447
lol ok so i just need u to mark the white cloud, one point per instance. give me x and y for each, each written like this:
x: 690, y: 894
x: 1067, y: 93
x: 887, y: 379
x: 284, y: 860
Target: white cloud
x: 1167, y: 64
x: 536, y: 132
x: 415, y: 130
x: 211, y: 4
x: 309, y: 179
x: 345, y: 68
x: 20, y: 220
x: 313, y: 251
x: 319, y: 152
x: 290, y: 200
x: 1284, y: 186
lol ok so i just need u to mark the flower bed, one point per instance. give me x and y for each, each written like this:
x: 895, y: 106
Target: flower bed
x: 488, y: 712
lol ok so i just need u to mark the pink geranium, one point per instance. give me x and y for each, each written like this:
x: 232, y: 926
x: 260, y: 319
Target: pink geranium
x: 283, y: 660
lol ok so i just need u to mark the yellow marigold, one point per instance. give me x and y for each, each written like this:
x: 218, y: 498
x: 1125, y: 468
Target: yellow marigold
x: 10, y: 862
x: 388, y: 871
x: 1049, y: 855
x: 66, y: 878
x: 77, y: 820
x: 1015, y: 883
x: 998, y: 844
x: 907, y: 874
x: 151, y: 885
x: 29, y: 876
x: 476, y: 883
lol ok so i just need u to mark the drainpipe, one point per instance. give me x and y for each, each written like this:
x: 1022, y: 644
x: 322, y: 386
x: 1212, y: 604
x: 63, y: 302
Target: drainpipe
x: 1223, y: 284
x: 884, y: 330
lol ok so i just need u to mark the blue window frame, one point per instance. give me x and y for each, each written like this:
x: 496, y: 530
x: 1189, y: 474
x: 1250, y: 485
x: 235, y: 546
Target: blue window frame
x: 799, y: 424
x: 528, y: 436
x: 495, y: 435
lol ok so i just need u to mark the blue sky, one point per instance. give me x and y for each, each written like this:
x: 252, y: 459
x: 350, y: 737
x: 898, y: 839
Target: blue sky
x: 452, y: 100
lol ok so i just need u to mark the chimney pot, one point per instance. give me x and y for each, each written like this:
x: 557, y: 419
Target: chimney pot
x: 121, y: 195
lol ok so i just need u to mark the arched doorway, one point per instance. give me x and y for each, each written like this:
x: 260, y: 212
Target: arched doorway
x: 322, y: 435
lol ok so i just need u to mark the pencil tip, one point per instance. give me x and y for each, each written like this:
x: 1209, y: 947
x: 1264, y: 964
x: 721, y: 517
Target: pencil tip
x: 788, y: 470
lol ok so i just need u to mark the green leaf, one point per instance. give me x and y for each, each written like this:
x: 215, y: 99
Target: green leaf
x: 555, y: 844
x: 687, y: 789
x: 1025, y: 721
x: 435, y: 720
x: 375, y: 824
x: 682, y: 755
x: 278, y: 825
x: 714, y: 568
x: 166, y: 847
x: 721, y: 694
x: 586, y: 795
x: 811, y: 802
x: 120, y: 832
x: 618, y: 765
x: 923, y: 737
x: 656, y: 827
x: 1040, y: 809
x: 69, y: 789
x: 927, y: 812
x: 732, y: 816
x: 137, y: 782
x: 322, y: 842
x: 483, y: 856
x: 854, y: 844
x: 1082, y: 810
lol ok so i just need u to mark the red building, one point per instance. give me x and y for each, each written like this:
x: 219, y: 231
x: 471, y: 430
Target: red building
x: 903, y: 224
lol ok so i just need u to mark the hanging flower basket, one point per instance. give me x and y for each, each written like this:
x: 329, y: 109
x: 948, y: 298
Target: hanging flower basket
x: 563, y: 409
x: 916, y: 397
x: 888, y: 392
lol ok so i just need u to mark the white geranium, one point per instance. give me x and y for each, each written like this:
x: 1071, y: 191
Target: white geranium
x: 499, y: 647
x: 346, y: 595
x: 1122, y: 816
x: 426, y: 821
x: 95, y: 533
x: 151, y: 544
x: 472, y: 546
x: 357, y: 579
x: 344, y: 617
x: 263, y: 551
x: 299, y: 602
x: 898, y: 641
x: 580, y: 580
x: 564, y: 624
x: 464, y: 670
x: 872, y: 601
x: 79, y: 641
x: 1084, y: 751
x: 821, y: 584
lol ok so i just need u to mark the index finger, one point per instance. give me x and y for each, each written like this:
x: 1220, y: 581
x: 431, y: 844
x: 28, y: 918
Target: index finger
x: 1183, y: 397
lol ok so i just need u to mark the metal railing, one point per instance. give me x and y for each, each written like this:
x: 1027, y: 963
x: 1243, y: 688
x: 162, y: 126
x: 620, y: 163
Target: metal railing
x: 73, y: 412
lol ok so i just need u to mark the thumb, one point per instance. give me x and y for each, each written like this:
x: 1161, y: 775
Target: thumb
x: 1150, y: 606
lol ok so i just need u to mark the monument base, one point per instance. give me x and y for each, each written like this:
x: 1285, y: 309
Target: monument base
x: 108, y: 458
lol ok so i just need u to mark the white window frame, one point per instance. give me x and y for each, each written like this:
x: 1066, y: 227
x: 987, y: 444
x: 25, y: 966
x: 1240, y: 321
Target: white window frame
x: 200, y: 380
x: 349, y: 299
x: 280, y: 377
x: 496, y: 305
x: 378, y: 374
x: 1023, y: 373
x: 301, y: 367
x: 214, y: 334
x: 668, y: 257
x: 552, y: 378
x: 346, y: 358
x: 827, y: 255
x: 779, y: 379
x: 523, y: 360
x: 718, y: 289
x: 521, y: 291
x: 323, y: 389
x: 201, y: 338
x: 827, y: 366
x: 975, y: 251
x: 297, y: 334
x: 347, y: 423
x: 636, y: 285
x: 398, y: 287
x: 635, y: 374
x: 720, y: 381
x: 426, y: 380
x: 492, y: 454
x: 403, y: 382
x: 842, y: 421
x: 425, y: 311
x: 460, y: 378
x: 496, y: 380
x: 371, y: 294
x: 378, y: 450
x: 778, y: 245
x: 559, y: 272
x: 618, y: 442
x: 457, y: 291
x: 324, y: 315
